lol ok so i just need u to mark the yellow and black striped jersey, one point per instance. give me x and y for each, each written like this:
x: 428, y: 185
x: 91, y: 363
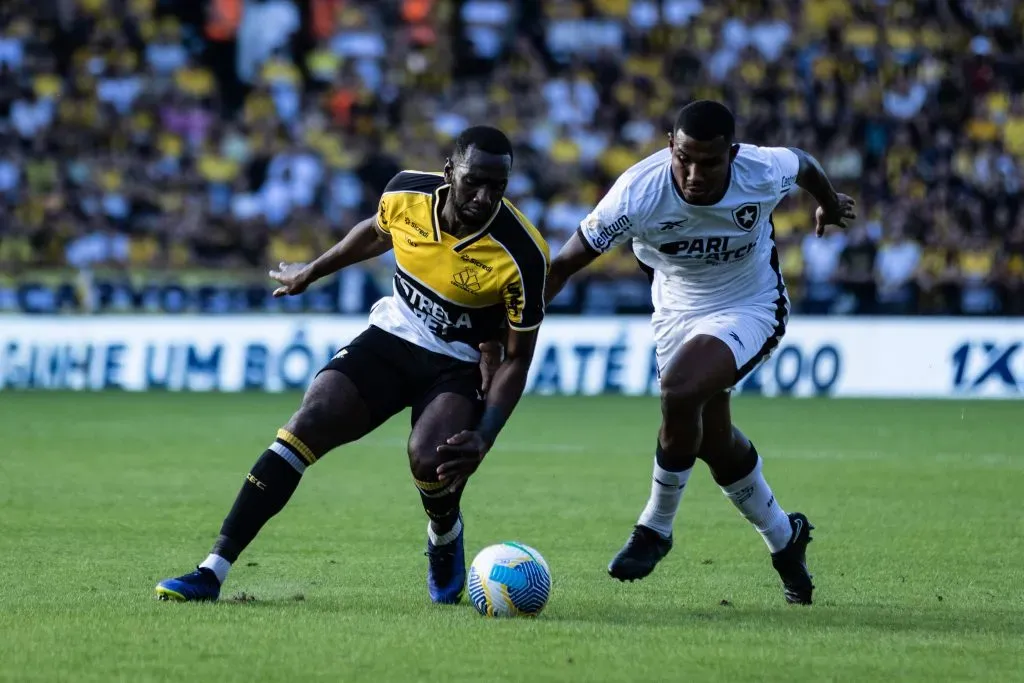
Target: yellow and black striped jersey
x: 451, y: 294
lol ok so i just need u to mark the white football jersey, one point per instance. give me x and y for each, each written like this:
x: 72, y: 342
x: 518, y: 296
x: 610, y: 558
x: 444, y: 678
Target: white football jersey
x: 705, y: 258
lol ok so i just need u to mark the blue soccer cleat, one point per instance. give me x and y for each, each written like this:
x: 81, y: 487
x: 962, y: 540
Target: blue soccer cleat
x: 200, y: 585
x: 446, y: 572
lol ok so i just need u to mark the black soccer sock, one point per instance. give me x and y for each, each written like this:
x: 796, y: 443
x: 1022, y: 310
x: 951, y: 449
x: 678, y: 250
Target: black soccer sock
x: 729, y: 468
x: 267, y: 488
x: 674, y: 462
x: 440, y: 503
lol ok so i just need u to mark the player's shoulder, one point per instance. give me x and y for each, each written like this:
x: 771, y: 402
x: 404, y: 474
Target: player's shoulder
x: 757, y: 168
x: 520, y: 238
x: 414, y: 182
x: 641, y: 187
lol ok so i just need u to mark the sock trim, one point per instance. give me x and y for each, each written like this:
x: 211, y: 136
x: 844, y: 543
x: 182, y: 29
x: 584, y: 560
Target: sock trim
x: 289, y: 457
x: 670, y: 478
x: 746, y: 481
x: 446, y: 538
x: 296, y: 443
x: 218, y: 565
x: 433, y: 489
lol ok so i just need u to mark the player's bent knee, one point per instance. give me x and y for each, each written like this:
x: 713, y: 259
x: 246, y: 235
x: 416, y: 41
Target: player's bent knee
x: 424, y: 459
x: 678, y: 401
x: 315, y: 425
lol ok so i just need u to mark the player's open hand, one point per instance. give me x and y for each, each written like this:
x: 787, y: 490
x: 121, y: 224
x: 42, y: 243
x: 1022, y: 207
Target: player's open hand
x: 465, y: 451
x: 294, y: 278
x: 490, y: 361
x: 844, y: 213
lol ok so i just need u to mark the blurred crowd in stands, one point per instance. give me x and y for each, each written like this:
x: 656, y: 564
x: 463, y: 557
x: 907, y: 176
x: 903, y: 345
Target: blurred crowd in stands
x: 162, y: 153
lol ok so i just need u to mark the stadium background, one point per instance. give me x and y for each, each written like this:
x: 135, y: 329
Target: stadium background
x: 153, y: 142
x: 158, y: 157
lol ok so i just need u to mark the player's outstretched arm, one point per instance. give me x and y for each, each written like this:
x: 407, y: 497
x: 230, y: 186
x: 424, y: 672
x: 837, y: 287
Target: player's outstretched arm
x: 363, y: 242
x: 468, y: 448
x: 834, y: 208
x: 574, y: 256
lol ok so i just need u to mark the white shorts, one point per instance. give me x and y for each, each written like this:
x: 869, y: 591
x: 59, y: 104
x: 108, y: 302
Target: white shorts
x: 751, y: 331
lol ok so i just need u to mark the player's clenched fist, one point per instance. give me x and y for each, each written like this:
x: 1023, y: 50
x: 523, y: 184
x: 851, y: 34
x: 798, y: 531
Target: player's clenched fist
x: 466, y: 450
x: 842, y: 214
x: 294, y: 278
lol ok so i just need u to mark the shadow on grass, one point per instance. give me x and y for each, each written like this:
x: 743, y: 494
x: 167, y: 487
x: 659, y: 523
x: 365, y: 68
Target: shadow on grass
x: 936, y: 620
x: 896, y: 619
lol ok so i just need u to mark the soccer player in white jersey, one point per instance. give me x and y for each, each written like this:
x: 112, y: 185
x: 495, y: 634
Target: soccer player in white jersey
x: 699, y: 217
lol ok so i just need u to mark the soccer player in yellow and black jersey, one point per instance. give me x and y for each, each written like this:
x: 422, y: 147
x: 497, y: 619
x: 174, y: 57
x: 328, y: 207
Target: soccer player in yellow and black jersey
x: 470, y: 268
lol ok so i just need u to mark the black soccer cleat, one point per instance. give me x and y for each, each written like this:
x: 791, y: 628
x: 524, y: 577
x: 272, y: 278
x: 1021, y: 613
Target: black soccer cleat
x: 640, y: 555
x: 791, y: 562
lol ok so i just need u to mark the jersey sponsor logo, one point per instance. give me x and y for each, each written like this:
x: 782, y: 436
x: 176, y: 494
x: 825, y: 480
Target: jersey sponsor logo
x: 788, y: 181
x: 476, y: 262
x: 412, y: 242
x: 514, y: 300
x: 746, y: 216
x: 382, y: 215
x: 602, y: 236
x: 671, y: 225
x: 438, y: 319
x: 713, y: 250
x: 467, y: 281
x: 416, y: 226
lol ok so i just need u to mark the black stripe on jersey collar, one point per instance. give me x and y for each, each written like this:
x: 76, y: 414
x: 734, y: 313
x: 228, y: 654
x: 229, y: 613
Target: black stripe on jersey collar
x: 465, y: 241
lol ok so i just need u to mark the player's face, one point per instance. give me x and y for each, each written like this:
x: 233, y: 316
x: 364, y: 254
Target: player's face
x: 701, y: 169
x: 478, y: 183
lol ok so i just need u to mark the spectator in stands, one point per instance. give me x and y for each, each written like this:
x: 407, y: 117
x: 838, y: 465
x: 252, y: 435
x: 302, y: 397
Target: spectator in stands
x: 153, y: 133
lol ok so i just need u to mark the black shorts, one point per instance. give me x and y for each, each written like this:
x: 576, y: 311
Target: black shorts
x: 392, y: 374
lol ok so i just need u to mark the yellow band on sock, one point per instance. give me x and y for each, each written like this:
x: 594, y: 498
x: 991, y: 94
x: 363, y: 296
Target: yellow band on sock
x: 296, y: 443
x: 430, y: 486
x: 435, y: 489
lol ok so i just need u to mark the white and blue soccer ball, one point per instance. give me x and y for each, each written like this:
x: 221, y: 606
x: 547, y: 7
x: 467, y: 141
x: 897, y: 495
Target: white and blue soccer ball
x: 509, y: 580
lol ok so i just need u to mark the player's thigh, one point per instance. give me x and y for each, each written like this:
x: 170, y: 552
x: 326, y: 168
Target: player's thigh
x: 451, y: 405
x: 357, y: 391
x: 702, y: 356
x: 700, y: 367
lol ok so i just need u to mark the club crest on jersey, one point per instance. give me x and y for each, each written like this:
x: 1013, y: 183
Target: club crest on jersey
x: 746, y: 216
x: 467, y: 281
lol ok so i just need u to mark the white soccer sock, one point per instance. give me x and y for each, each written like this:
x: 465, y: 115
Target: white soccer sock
x: 447, y: 538
x: 218, y: 565
x: 754, y: 499
x: 666, y: 492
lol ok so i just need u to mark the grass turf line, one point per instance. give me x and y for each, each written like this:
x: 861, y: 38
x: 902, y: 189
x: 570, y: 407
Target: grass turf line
x: 916, y: 555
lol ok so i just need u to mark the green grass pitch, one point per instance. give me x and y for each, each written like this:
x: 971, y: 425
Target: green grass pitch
x: 918, y: 556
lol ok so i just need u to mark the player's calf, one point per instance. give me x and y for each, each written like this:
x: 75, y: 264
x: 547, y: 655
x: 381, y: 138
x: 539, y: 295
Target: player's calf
x: 268, y: 486
x: 737, y: 469
x: 331, y: 414
x: 700, y: 370
x: 446, y: 571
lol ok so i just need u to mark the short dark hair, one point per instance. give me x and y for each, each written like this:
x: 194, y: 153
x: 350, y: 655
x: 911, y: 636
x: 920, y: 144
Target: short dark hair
x: 484, y: 138
x: 706, y: 120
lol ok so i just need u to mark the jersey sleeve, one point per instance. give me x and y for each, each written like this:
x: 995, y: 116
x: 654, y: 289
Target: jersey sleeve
x: 612, y: 222
x: 784, y: 166
x: 405, y: 182
x: 524, y: 293
x: 524, y: 300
